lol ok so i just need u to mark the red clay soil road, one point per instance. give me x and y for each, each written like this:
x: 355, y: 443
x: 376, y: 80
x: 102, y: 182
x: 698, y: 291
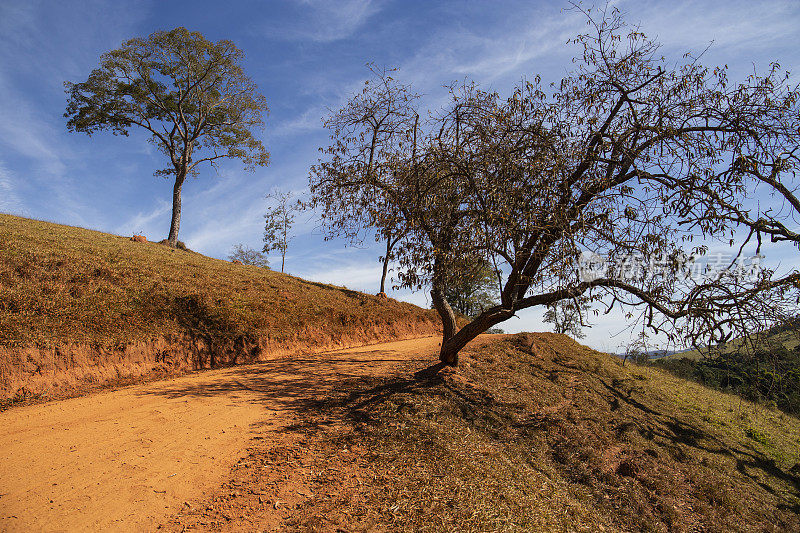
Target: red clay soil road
x: 126, y: 460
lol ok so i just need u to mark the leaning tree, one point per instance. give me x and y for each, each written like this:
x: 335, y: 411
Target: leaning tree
x: 189, y: 94
x: 630, y: 163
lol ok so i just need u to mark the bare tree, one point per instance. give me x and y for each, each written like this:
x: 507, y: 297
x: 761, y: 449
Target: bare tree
x: 191, y: 95
x: 605, y: 166
x: 279, y: 220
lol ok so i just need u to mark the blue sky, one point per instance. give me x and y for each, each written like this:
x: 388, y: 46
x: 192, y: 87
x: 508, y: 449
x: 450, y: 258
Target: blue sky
x: 306, y: 56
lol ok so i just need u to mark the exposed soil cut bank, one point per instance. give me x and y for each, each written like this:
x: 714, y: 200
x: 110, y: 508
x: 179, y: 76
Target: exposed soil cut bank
x: 63, y: 371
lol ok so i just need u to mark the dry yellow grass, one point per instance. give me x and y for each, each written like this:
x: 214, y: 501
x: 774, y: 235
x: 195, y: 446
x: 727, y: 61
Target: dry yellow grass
x: 538, y: 433
x: 89, y: 306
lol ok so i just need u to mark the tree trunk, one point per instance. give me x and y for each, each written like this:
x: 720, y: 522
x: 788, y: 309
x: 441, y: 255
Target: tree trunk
x: 447, y: 315
x: 283, y: 261
x: 385, y: 265
x: 452, y: 345
x: 175, y: 226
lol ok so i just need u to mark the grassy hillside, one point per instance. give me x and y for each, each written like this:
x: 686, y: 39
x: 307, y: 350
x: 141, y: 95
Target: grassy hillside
x: 83, y: 306
x: 538, y: 433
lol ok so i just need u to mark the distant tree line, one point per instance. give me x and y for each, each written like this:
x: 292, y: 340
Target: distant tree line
x: 769, y: 375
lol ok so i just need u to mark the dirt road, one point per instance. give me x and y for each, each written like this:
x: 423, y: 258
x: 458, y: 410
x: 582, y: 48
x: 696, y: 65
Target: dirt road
x: 126, y: 460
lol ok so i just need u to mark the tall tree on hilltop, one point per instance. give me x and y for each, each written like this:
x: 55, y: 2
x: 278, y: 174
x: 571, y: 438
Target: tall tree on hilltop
x: 190, y: 94
x: 611, y: 164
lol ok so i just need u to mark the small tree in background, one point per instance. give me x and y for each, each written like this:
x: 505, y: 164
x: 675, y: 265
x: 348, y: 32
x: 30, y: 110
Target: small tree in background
x: 279, y: 220
x: 391, y: 242
x: 565, y: 316
x: 248, y: 256
x: 190, y: 94
x: 637, y: 351
x: 473, y: 290
x: 391, y: 234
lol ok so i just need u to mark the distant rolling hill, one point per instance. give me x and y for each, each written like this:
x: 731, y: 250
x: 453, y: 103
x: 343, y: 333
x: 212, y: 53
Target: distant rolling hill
x: 787, y: 339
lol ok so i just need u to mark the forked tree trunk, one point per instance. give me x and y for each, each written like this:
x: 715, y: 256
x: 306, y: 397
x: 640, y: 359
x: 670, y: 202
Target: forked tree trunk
x: 453, y: 344
x: 447, y: 315
x: 175, y: 226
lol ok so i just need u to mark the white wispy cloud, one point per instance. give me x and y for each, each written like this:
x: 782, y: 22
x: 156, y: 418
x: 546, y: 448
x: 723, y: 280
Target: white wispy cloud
x: 9, y: 200
x: 41, y: 47
x: 514, y: 52
x: 535, y: 39
x: 731, y: 25
x: 487, y: 54
x: 145, y: 222
x: 219, y: 229
x: 354, y: 275
x: 27, y: 134
x: 307, y: 121
x: 24, y: 131
x: 59, y: 41
x: 323, y: 21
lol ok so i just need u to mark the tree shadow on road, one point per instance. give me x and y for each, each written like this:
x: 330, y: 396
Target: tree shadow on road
x: 295, y: 383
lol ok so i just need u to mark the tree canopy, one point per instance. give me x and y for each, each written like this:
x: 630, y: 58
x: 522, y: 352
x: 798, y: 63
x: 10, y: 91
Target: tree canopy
x: 248, y: 256
x: 190, y: 94
x: 624, y: 160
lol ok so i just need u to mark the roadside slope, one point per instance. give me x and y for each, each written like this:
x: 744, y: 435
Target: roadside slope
x: 80, y: 308
x: 533, y: 432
